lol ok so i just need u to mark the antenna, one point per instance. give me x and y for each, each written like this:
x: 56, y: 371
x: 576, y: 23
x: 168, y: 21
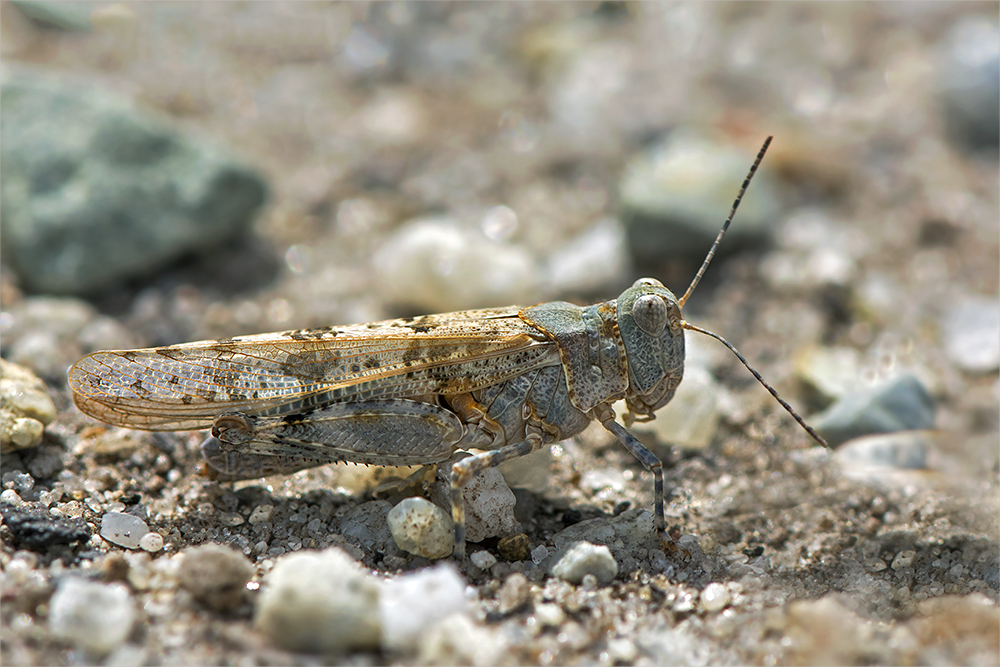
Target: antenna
x: 736, y: 205
x: 697, y: 278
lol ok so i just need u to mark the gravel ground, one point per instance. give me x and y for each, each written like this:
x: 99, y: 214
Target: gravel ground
x: 516, y: 125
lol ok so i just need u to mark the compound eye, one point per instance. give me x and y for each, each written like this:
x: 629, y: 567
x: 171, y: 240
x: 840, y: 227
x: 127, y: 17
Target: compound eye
x: 650, y: 313
x: 647, y: 281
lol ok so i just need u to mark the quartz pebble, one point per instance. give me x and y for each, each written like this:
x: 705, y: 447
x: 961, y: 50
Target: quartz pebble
x: 97, y: 617
x: 422, y: 528
x: 714, y: 597
x: 484, y: 560
x: 585, y: 558
x: 151, y: 542
x: 125, y: 530
x: 409, y: 605
x: 319, y: 602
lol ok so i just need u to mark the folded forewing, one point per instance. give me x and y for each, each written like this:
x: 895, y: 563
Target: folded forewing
x: 181, y: 387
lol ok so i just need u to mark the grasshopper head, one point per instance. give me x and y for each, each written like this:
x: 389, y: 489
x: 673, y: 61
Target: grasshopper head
x: 649, y: 321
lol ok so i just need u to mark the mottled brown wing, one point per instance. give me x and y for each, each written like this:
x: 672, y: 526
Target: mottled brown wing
x: 184, y: 387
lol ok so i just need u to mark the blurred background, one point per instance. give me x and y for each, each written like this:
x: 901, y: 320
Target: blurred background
x: 181, y: 171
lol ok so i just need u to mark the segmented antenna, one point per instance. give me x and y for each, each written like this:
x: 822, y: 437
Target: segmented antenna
x: 691, y: 327
x: 809, y: 429
x: 736, y: 205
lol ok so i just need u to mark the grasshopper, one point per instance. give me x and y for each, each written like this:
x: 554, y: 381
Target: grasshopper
x: 504, y: 381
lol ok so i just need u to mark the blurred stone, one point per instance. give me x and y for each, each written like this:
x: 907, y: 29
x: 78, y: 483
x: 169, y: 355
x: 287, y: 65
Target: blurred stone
x: 95, y: 191
x: 25, y: 408
x: 589, y: 262
x: 532, y: 472
x: 410, y: 605
x: 436, y: 265
x: 690, y: 419
x: 676, y: 196
x: 904, y: 450
x: 902, y: 404
x: 70, y: 16
x: 320, y: 602
x: 970, y: 83
x: 831, y: 371
x: 513, y: 594
x: 216, y: 576
x: 972, y: 334
x: 584, y: 558
x: 97, y: 617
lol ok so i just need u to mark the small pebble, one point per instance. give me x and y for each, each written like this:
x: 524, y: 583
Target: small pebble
x: 411, y: 604
x: 539, y: 553
x: 11, y: 496
x: 489, y: 507
x: 548, y: 614
x: 903, y: 559
x: 97, y: 617
x: 422, y: 528
x: 484, y: 560
x: 714, y: 597
x: 25, y: 407
x: 125, y: 530
x: 151, y: 542
x: 585, y: 558
x: 515, y: 548
x: 215, y: 575
x: 320, y: 602
x: 260, y: 514
x: 514, y: 594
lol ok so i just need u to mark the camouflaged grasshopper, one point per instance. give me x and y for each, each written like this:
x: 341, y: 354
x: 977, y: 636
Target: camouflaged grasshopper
x: 505, y: 381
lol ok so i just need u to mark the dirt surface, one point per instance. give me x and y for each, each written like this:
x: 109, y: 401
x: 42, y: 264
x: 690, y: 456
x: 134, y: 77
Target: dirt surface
x: 364, y: 116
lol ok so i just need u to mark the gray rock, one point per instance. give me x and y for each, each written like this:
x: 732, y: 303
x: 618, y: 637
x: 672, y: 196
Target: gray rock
x: 902, y: 404
x: 320, y: 602
x: 95, y: 191
x: 676, y: 196
x: 96, y: 617
x: 906, y: 450
x: 970, y: 83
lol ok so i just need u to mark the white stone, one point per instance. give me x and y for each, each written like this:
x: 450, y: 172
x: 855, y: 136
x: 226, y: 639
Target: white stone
x: 715, y: 597
x: 422, y: 528
x: 484, y: 560
x: 590, y: 261
x: 439, y: 265
x: 260, y: 514
x: 409, y: 605
x: 584, y: 558
x: 125, y: 530
x: 97, y: 617
x: 151, y: 542
x: 319, y: 602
